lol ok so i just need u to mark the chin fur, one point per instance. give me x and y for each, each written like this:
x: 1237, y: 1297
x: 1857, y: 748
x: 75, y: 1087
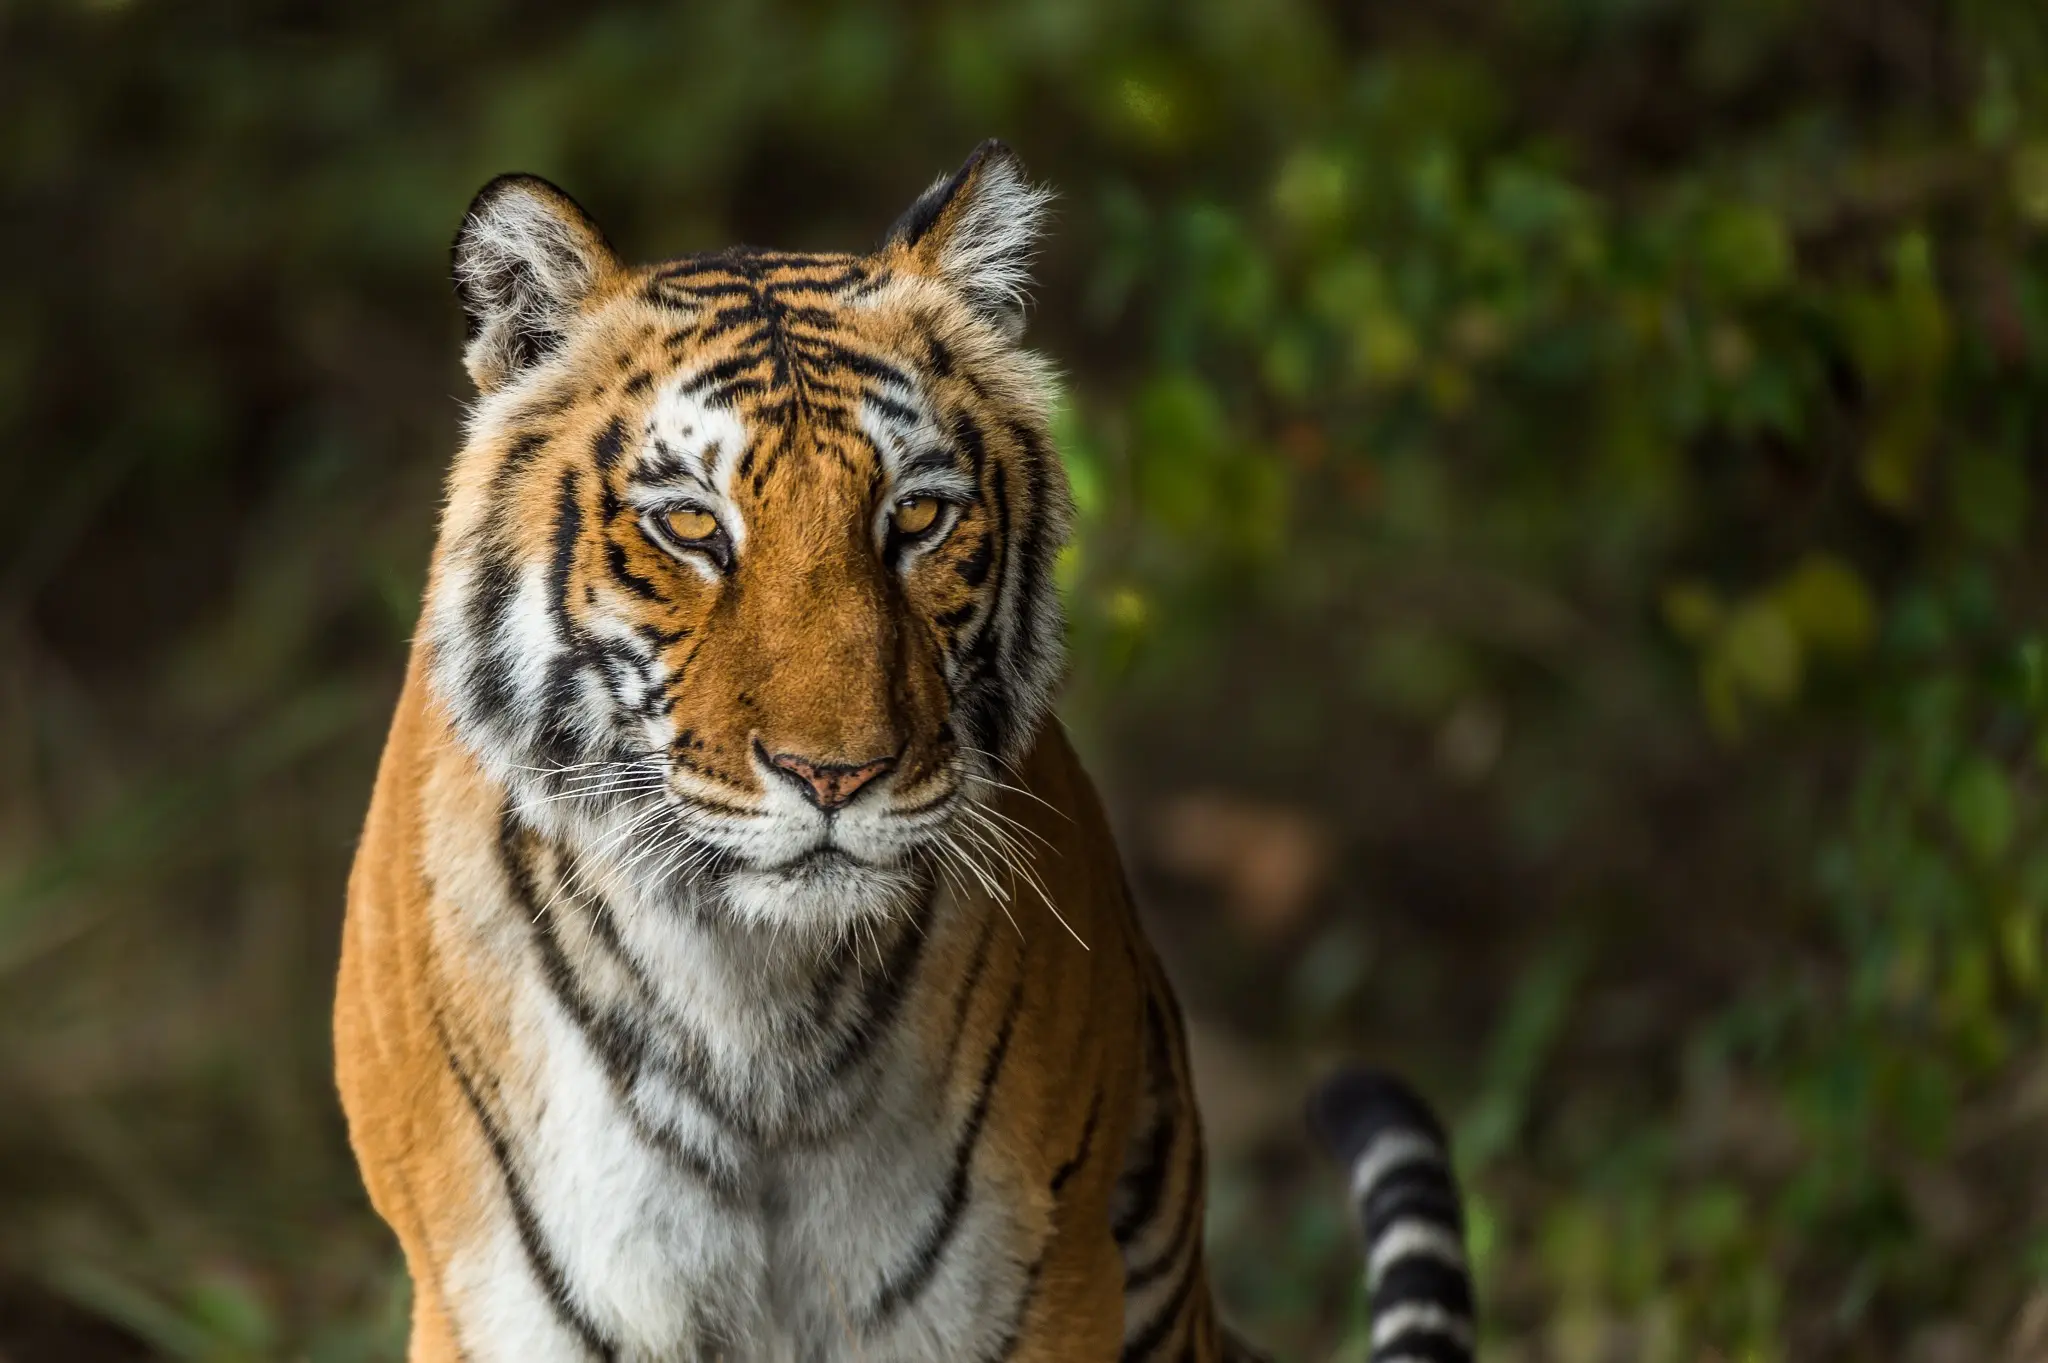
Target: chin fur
x: 829, y: 897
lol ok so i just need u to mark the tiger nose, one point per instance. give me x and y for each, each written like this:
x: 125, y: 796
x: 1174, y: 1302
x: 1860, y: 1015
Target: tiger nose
x: 829, y: 785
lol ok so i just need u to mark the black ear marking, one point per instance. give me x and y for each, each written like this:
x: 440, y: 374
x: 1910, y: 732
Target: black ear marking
x: 524, y: 261
x: 978, y: 229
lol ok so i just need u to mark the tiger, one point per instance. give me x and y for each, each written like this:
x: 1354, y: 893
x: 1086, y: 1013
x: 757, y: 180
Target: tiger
x: 737, y: 963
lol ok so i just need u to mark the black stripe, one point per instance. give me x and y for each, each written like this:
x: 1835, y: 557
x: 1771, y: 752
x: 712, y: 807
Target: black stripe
x: 973, y: 569
x: 988, y: 647
x: 1396, y: 1198
x: 568, y: 529
x: 967, y: 434
x: 719, y: 374
x: 1424, y: 1278
x: 1032, y: 558
x: 869, y: 366
x: 881, y: 1005
x: 968, y: 986
x: 829, y: 984
x: 1143, y: 1187
x: 532, y: 1239
x: 903, y: 414
x: 904, y: 1286
x: 1184, y: 1229
x: 1157, y: 1330
x: 523, y: 449
x: 810, y: 315
x: 922, y: 216
x: 609, y: 444
x: 931, y: 461
x: 495, y: 583
x: 1080, y: 1157
x: 726, y: 319
x: 615, y: 562
x: 558, y: 740
x: 938, y: 356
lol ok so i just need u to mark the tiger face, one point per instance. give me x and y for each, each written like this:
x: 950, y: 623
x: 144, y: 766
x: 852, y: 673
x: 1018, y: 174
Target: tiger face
x: 744, y: 581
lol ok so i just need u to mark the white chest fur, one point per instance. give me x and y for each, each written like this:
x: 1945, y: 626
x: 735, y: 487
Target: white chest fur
x: 703, y: 1160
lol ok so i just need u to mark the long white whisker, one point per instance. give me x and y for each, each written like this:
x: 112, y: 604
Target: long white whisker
x: 1015, y: 790
x: 1005, y: 763
x: 975, y: 868
x: 1015, y: 823
x: 641, y: 789
x: 1019, y: 867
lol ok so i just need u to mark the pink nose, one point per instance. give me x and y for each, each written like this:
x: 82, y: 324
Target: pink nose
x: 830, y: 784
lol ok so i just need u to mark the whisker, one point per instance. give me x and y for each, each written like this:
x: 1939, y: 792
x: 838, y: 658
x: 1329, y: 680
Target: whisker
x: 1030, y: 876
x: 975, y: 869
x: 1016, y: 790
x: 1018, y: 824
x: 642, y: 790
x: 612, y: 840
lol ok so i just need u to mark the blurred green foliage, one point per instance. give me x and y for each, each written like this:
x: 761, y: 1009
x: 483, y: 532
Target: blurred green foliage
x: 1585, y: 454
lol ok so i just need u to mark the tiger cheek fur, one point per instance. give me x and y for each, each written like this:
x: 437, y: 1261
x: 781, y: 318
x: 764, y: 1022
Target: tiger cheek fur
x: 737, y: 964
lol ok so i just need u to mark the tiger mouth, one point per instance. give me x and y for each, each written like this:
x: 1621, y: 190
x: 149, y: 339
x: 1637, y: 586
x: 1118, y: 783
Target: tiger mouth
x: 821, y: 861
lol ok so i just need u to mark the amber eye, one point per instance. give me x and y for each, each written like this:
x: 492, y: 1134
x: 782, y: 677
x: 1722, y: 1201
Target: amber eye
x: 915, y: 515
x: 689, y: 525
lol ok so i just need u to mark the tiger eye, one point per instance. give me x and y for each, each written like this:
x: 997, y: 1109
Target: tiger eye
x: 915, y: 515
x: 690, y: 524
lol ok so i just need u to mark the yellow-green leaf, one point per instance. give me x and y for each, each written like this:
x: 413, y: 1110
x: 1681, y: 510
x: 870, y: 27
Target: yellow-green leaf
x: 1828, y: 604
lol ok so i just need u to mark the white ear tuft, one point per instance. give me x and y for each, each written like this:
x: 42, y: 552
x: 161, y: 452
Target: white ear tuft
x: 978, y: 230
x: 525, y: 260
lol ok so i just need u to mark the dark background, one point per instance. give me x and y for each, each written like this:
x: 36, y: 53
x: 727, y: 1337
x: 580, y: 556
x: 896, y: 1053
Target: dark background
x: 1558, y: 606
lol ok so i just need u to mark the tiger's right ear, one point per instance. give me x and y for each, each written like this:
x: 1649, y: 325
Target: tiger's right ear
x: 525, y: 260
x: 976, y: 229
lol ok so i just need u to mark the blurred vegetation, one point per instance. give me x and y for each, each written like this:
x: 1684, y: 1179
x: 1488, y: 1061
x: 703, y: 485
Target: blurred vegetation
x: 1559, y: 605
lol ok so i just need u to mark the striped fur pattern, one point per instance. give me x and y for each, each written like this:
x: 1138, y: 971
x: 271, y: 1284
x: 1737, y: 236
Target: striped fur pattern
x: 1416, y: 1275
x: 737, y: 963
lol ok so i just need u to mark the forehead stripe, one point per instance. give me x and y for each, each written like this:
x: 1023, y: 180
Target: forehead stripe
x: 609, y: 444
x: 718, y: 375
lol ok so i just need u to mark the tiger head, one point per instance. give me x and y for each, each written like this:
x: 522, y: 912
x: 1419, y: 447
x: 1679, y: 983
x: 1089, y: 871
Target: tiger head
x: 744, y: 580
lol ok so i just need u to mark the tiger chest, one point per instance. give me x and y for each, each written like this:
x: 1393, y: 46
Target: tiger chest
x: 654, y: 1219
x: 898, y: 1239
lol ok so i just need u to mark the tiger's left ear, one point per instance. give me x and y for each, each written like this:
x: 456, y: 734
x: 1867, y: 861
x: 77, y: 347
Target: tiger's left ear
x: 977, y: 230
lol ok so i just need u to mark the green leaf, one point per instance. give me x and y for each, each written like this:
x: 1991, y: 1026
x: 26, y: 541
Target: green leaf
x: 1988, y: 491
x: 1693, y: 609
x: 1980, y: 805
x: 1745, y: 251
x: 1828, y: 606
x: 1762, y: 651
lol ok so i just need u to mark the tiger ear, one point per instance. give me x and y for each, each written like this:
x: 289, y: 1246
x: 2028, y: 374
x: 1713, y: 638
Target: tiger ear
x: 525, y: 259
x: 978, y: 230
